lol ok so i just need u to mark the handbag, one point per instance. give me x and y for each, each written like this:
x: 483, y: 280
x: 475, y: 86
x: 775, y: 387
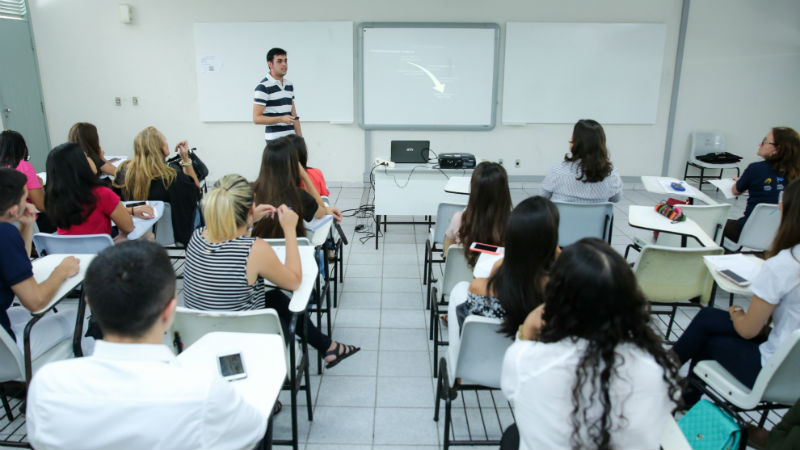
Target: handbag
x: 200, y: 168
x: 708, y: 427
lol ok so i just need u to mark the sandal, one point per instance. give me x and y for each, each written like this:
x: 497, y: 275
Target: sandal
x: 443, y: 318
x: 277, y: 408
x: 340, y: 352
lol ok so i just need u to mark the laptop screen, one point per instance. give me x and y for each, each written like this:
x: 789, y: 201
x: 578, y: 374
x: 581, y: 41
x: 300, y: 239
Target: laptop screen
x: 410, y: 151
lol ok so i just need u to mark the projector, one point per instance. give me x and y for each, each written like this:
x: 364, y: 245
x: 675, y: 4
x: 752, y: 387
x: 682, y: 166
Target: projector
x: 457, y: 161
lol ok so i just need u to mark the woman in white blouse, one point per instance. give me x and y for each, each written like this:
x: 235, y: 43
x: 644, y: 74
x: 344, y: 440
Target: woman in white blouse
x: 586, y: 175
x: 586, y: 370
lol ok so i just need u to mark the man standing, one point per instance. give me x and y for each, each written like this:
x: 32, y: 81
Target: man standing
x: 273, y: 100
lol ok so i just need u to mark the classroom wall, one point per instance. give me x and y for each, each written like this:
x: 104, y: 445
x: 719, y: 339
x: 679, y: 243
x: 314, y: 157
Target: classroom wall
x: 741, y: 74
x: 87, y: 58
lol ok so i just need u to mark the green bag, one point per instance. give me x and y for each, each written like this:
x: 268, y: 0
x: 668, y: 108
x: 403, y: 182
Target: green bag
x: 707, y: 427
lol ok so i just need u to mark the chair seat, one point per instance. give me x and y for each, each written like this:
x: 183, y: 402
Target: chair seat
x: 731, y: 389
x: 697, y: 162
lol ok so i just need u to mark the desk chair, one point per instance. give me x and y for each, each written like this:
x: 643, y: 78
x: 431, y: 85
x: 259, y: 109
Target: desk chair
x: 46, y: 243
x: 674, y: 277
x: 776, y: 386
x: 580, y: 220
x: 190, y: 325
x: 760, y: 228
x: 702, y: 143
x: 456, y: 270
x: 478, y: 362
x: 435, y: 240
x: 711, y: 219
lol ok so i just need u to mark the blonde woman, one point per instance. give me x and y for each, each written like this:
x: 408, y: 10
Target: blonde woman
x: 226, y: 267
x: 148, y: 177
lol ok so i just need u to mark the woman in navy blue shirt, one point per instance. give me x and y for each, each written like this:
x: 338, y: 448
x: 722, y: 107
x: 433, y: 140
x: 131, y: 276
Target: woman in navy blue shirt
x: 765, y: 180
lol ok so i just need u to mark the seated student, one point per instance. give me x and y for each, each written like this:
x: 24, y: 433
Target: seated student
x: 586, y: 370
x: 14, y: 155
x: 741, y: 340
x: 77, y: 203
x: 484, y: 218
x: 148, y: 177
x: 132, y: 393
x: 587, y: 175
x: 279, y: 183
x: 315, y: 175
x: 85, y: 135
x: 16, y: 273
x: 226, y: 267
x: 764, y: 180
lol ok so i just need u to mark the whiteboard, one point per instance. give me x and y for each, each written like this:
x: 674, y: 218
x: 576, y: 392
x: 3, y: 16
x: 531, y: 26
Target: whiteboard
x: 230, y: 60
x: 562, y: 72
x: 428, y: 75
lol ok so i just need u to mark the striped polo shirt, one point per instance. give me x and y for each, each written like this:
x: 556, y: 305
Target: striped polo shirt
x: 215, y: 275
x: 277, y: 99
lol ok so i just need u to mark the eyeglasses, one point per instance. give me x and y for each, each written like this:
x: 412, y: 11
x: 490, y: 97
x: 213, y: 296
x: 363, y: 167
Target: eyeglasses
x: 764, y: 141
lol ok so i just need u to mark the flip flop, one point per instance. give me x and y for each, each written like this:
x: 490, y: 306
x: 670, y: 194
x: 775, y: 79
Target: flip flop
x: 339, y: 357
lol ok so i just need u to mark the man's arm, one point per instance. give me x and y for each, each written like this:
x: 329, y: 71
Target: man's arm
x: 297, y: 129
x: 261, y: 119
x: 35, y: 296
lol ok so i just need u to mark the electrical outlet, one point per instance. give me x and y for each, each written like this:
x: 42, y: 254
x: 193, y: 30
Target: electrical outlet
x: 135, y: 101
x: 516, y: 163
x: 500, y: 161
x: 118, y: 101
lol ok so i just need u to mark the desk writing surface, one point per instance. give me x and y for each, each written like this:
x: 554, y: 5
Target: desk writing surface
x: 43, y: 268
x: 310, y: 271
x: 142, y: 226
x: 458, y: 185
x: 485, y: 262
x: 747, y: 266
x: 647, y: 218
x: 317, y: 230
x: 659, y: 185
x: 264, y: 361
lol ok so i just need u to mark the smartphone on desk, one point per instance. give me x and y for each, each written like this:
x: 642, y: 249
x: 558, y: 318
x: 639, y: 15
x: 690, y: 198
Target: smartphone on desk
x: 231, y: 367
x: 485, y: 248
x: 735, y: 277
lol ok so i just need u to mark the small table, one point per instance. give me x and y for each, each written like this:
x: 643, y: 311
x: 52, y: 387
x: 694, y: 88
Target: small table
x: 657, y: 185
x: 485, y: 262
x: 42, y: 269
x: 745, y: 265
x: 264, y: 360
x: 458, y: 185
x: 646, y: 217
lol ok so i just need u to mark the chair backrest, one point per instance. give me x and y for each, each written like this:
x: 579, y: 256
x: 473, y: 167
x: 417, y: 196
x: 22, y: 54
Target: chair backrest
x: 761, y: 227
x: 711, y: 219
x: 456, y: 268
x: 673, y: 274
x: 704, y: 142
x: 580, y: 220
x: 778, y: 378
x: 47, y: 244
x: 192, y: 324
x: 165, y: 235
x: 444, y: 213
x: 480, y: 355
x: 12, y: 366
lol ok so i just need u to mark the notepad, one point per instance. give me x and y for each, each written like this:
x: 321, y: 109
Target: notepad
x: 725, y: 185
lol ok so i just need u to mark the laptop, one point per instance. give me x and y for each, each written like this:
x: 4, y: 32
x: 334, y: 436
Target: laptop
x: 410, y: 151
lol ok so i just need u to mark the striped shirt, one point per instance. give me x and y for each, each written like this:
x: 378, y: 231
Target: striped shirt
x: 215, y: 275
x: 277, y: 99
x: 562, y: 184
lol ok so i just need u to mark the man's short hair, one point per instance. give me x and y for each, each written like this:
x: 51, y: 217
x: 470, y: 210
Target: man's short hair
x: 12, y: 186
x: 273, y: 52
x: 128, y: 286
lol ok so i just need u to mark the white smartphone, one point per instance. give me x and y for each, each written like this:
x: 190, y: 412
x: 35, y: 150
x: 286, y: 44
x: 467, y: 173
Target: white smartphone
x: 485, y: 248
x: 231, y: 367
x: 735, y: 277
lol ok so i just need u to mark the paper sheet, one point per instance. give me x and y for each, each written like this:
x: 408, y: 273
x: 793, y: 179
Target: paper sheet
x: 724, y: 185
x: 666, y: 184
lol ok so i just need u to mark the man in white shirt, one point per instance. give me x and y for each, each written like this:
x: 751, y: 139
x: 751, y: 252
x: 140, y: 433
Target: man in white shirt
x: 132, y: 393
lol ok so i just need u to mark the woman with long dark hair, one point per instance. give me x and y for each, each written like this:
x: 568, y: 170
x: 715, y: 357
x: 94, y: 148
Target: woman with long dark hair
x: 764, y: 180
x: 740, y: 340
x: 587, y: 371
x: 85, y: 135
x: 148, y: 177
x: 14, y: 155
x: 77, y: 202
x: 586, y: 175
x: 484, y: 218
x: 279, y: 183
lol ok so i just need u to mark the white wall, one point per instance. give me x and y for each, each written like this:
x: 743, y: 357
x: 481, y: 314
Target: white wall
x: 741, y: 74
x: 87, y: 57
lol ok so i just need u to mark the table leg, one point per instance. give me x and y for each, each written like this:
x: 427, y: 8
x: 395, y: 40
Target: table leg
x: 377, y: 229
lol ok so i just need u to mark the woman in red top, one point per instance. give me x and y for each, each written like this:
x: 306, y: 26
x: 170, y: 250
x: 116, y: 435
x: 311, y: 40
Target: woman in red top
x: 76, y: 201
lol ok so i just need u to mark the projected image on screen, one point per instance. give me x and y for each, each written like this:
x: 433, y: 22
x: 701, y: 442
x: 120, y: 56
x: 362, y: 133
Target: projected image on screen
x: 428, y: 77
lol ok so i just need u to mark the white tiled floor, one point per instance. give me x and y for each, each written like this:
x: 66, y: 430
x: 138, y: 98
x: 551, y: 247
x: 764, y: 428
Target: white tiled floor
x: 382, y: 397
